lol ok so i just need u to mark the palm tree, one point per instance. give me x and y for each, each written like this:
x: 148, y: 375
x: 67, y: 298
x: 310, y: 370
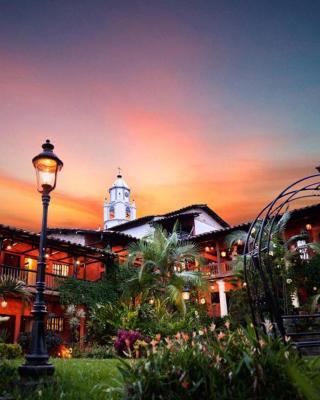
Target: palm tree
x: 11, y: 287
x: 162, y: 274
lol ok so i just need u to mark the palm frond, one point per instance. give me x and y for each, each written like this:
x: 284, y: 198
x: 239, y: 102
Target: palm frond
x: 282, y: 224
x: 295, y: 238
x: 315, y: 247
x: 10, y: 286
x: 233, y: 237
x: 192, y: 278
x: 176, y: 298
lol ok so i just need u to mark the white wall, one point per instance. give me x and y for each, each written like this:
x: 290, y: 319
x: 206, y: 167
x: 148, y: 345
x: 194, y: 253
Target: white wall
x: 71, y: 237
x: 139, y: 231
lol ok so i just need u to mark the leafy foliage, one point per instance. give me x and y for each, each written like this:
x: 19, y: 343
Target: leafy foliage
x: 107, y: 290
x: 9, y: 286
x: 162, y: 258
x: 224, y: 365
x: 53, y: 341
x: 10, y: 351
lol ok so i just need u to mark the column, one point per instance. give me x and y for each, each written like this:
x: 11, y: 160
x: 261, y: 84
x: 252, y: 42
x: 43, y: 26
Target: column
x: 222, y: 299
x: 295, y: 299
x: 17, y: 328
x: 82, y: 332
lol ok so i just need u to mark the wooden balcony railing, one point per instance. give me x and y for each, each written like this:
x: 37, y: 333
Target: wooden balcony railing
x: 29, y: 277
x: 214, y: 270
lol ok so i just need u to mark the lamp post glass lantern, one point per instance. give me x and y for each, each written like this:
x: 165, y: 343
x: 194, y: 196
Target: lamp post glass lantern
x: 186, y: 294
x: 47, y: 166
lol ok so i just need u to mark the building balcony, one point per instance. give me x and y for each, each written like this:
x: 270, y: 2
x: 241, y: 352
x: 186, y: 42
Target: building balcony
x: 215, y: 270
x: 29, y: 277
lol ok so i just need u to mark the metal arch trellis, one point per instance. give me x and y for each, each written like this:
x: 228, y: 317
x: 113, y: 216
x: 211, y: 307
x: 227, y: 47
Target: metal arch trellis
x: 258, y: 272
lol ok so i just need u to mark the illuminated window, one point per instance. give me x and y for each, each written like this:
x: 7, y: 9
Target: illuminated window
x: 128, y: 213
x: 55, y: 324
x: 111, y: 212
x: 60, y: 269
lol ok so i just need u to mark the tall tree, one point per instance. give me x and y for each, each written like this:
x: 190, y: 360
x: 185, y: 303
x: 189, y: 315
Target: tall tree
x: 162, y: 259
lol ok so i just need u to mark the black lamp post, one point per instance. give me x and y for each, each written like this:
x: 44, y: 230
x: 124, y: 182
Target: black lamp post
x: 47, y: 165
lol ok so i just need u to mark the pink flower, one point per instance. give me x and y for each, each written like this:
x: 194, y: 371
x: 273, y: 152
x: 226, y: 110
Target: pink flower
x: 221, y: 335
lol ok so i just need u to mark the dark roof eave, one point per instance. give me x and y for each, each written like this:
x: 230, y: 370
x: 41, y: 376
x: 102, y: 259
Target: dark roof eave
x: 59, y: 244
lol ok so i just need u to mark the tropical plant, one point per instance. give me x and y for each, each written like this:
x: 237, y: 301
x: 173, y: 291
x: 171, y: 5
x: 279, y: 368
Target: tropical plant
x: 12, y: 287
x: 162, y: 257
x: 74, y: 315
x: 220, y: 365
x: 87, y: 293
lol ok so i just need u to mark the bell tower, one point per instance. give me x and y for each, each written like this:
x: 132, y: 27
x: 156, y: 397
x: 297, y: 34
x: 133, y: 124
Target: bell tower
x: 119, y: 209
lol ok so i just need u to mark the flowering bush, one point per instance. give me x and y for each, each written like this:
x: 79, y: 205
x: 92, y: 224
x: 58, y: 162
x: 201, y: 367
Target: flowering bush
x: 217, y: 365
x: 125, y: 341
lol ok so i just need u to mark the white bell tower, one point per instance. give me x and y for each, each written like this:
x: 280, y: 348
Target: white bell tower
x: 119, y: 209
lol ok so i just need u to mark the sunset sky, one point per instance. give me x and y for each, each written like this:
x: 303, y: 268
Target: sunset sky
x: 213, y: 102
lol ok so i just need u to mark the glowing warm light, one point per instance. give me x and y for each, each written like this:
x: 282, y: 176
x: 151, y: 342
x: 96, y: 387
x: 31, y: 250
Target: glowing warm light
x: 47, y: 255
x: 308, y: 227
x: 239, y: 242
x: 223, y: 254
x: 207, y: 249
x: 186, y: 294
x: 47, y: 165
x: 4, y: 304
x: 212, y: 287
x: 9, y: 247
x: 77, y: 262
x: 151, y: 301
x: 65, y: 352
x: 203, y: 300
x: 46, y: 172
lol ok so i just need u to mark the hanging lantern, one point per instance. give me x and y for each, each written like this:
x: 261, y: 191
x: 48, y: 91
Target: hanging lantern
x: 4, y: 303
x: 186, y: 294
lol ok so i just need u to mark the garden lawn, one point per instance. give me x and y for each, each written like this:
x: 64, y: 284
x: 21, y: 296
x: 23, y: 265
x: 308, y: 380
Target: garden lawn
x: 77, y: 379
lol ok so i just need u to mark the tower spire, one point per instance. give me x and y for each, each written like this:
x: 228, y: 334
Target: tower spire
x: 119, y: 209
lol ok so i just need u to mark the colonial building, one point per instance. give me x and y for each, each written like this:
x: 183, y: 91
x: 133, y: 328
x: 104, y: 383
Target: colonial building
x: 86, y: 253
x: 18, y: 259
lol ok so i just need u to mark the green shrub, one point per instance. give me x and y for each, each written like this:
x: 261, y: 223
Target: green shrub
x: 53, y: 342
x: 10, y: 351
x: 8, y: 375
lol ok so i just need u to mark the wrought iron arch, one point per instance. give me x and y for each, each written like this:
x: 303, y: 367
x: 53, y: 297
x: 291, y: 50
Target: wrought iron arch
x: 259, y: 273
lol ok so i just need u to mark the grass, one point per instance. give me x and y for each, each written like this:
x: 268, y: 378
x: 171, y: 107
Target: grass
x: 81, y: 379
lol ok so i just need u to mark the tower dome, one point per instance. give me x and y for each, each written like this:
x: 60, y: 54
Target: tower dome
x: 118, y: 209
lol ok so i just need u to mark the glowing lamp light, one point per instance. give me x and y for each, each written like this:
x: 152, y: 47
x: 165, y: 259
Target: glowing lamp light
x: 9, y: 247
x: 47, y: 165
x: 207, y: 248
x: 78, y: 262
x: 223, y: 254
x: 186, y: 294
x: 239, y: 242
x: 4, y: 304
x: 202, y: 300
x: 47, y: 255
x: 308, y: 227
x: 151, y: 301
x: 212, y: 287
